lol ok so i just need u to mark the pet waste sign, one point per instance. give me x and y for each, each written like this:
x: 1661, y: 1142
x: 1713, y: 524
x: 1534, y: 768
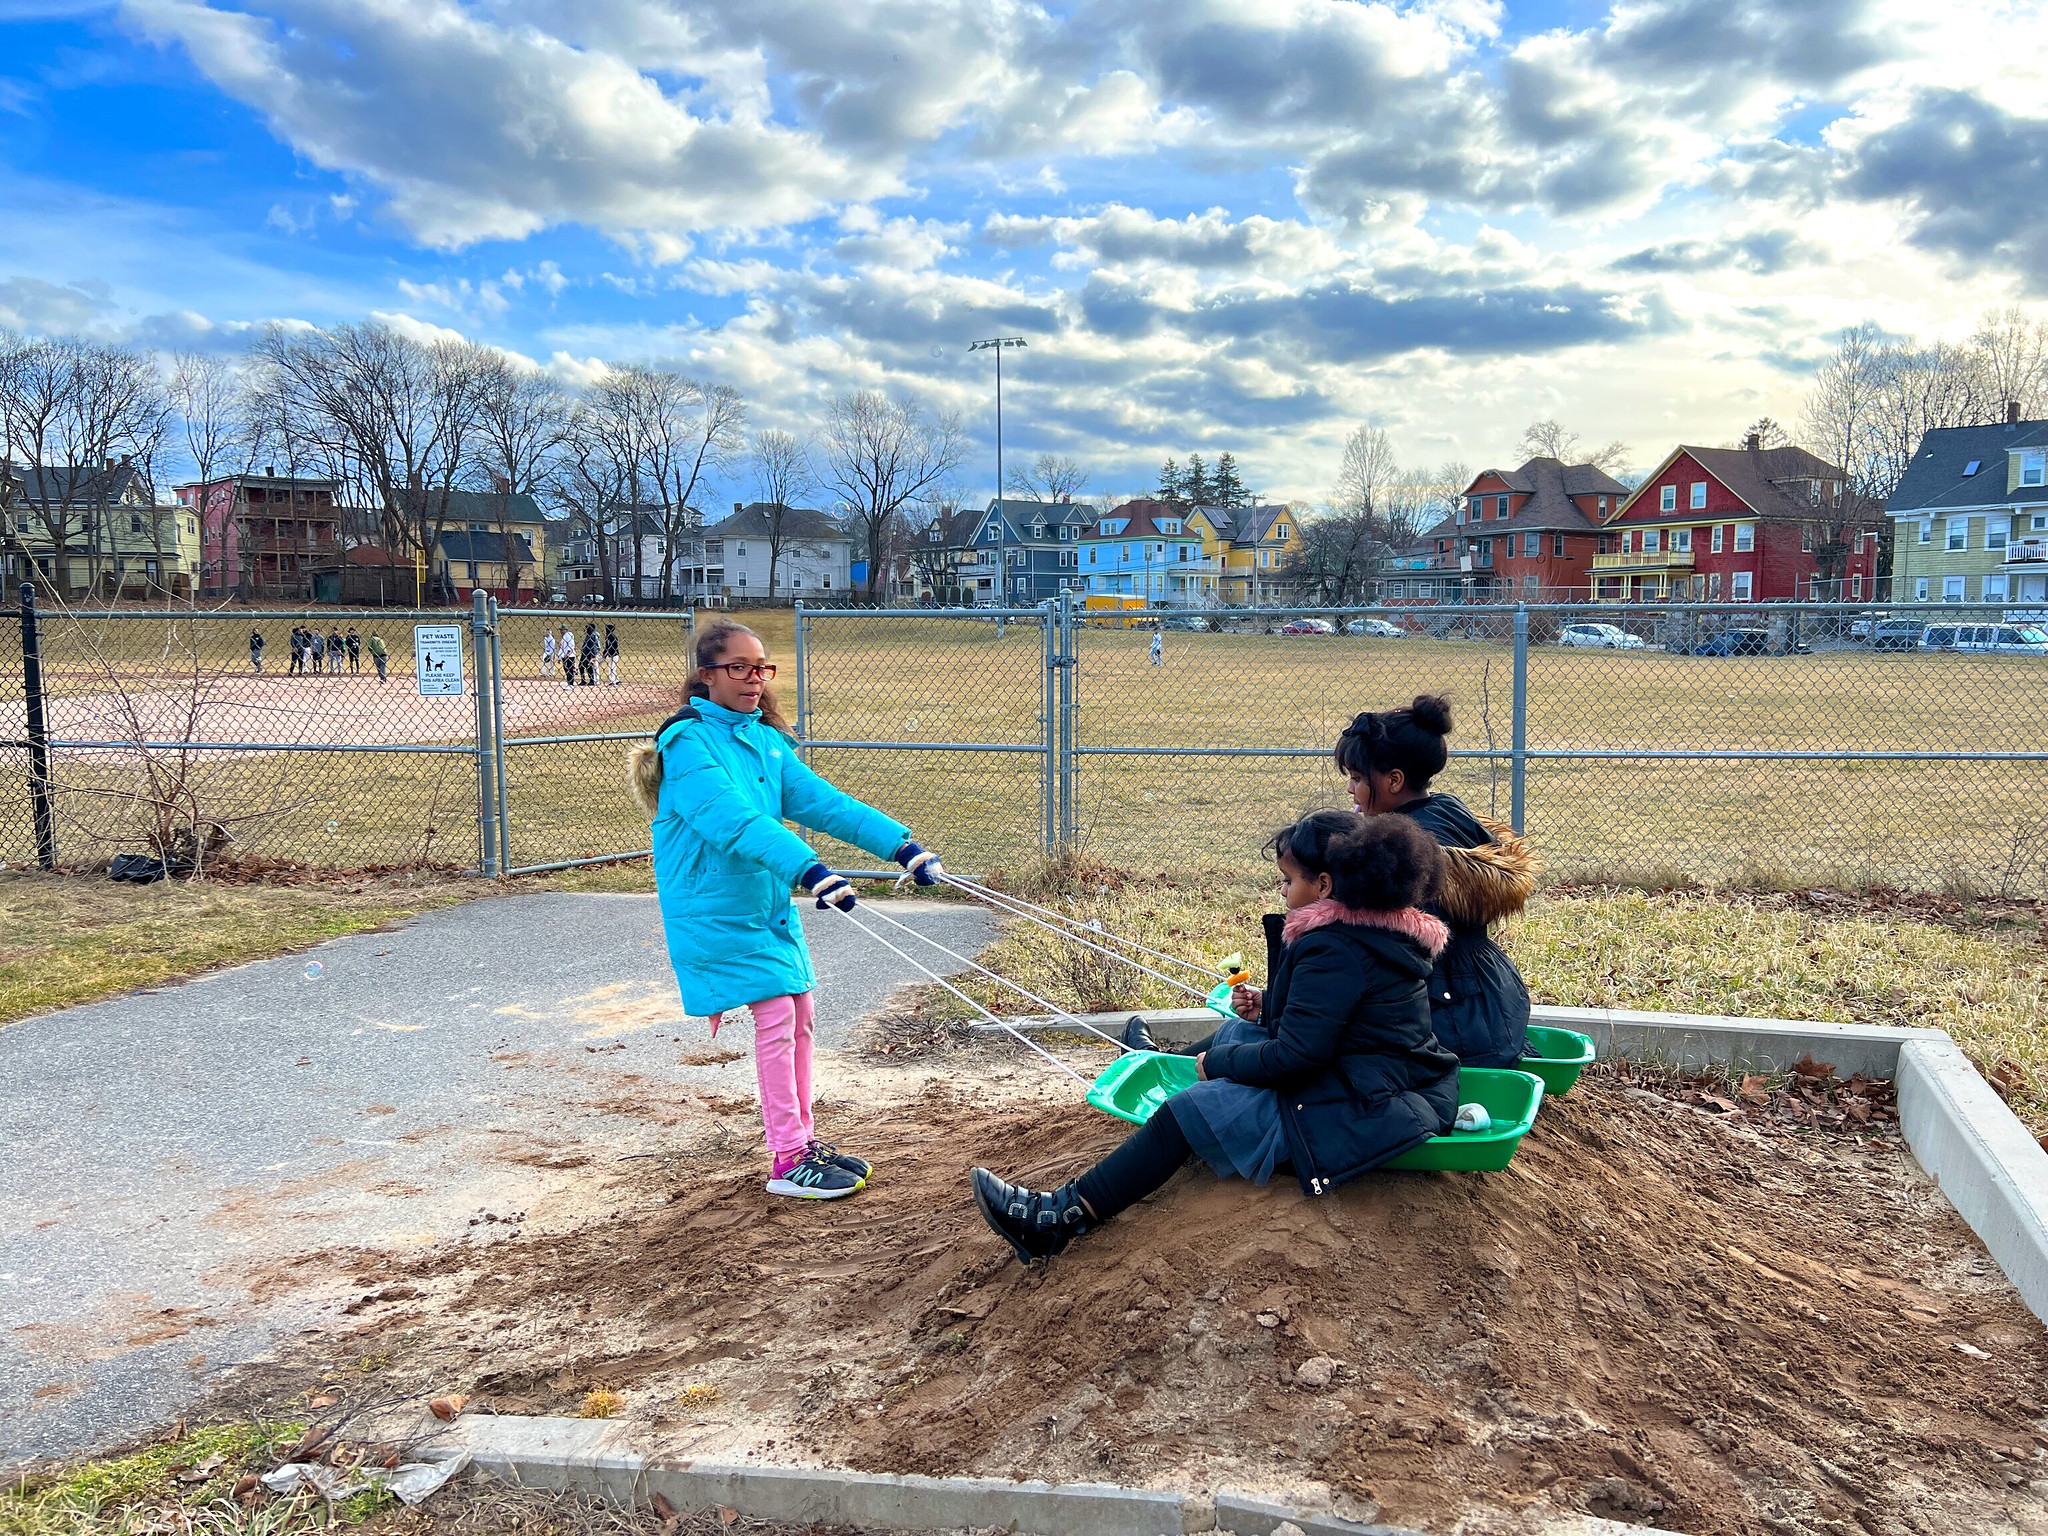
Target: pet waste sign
x: 437, y: 658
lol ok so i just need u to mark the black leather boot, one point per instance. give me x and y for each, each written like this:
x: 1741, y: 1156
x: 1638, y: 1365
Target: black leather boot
x: 1036, y: 1224
x: 1137, y: 1037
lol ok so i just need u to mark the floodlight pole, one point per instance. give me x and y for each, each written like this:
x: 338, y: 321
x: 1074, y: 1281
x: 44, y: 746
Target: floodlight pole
x: 996, y: 344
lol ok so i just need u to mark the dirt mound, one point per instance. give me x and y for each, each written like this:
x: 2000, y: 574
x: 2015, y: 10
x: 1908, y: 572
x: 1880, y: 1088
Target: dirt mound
x: 1655, y: 1312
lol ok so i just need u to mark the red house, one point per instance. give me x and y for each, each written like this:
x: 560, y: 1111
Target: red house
x: 1737, y: 525
x: 267, y: 535
x: 1524, y: 535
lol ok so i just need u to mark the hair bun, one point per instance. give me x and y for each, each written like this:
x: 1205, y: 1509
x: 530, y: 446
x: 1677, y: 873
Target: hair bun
x: 1432, y: 712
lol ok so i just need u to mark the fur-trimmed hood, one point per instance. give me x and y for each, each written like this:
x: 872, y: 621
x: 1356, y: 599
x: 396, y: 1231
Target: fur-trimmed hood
x: 1482, y: 885
x: 1411, y: 922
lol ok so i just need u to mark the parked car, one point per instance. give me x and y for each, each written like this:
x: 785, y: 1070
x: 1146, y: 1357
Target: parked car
x: 1191, y: 625
x: 1986, y: 639
x: 1735, y: 642
x: 1308, y: 627
x: 1600, y: 637
x: 1378, y: 629
x: 1895, y: 635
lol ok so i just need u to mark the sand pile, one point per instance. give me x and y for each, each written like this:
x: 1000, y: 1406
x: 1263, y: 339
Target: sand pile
x: 1656, y: 1314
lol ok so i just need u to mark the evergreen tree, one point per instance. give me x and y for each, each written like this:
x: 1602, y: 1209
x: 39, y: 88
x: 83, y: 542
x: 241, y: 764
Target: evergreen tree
x: 1229, y: 490
x: 1169, y: 482
x: 1196, y: 488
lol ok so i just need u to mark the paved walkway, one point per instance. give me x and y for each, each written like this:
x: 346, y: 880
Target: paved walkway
x: 171, y: 1159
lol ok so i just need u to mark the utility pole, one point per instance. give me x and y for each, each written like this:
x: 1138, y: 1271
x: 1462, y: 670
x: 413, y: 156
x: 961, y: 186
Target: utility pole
x: 996, y: 345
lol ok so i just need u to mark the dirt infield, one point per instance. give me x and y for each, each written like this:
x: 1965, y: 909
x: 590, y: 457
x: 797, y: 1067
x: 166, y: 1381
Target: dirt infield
x: 1658, y: 1313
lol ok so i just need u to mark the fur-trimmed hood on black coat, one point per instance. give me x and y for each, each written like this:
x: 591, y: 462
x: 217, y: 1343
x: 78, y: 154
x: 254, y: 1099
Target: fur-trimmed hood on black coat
x: 1477, y: 998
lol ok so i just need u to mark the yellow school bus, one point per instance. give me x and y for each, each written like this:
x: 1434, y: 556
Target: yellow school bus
x: 1115, y: 610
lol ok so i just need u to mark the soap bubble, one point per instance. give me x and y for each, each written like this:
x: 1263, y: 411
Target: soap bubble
x: 334, y: 826
x: 315, y: 970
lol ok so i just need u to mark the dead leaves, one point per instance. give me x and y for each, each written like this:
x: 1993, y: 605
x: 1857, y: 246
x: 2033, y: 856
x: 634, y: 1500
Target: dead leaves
x: 2007, y: 1078
x: 446, y: 1408
x: 1807, y: 1097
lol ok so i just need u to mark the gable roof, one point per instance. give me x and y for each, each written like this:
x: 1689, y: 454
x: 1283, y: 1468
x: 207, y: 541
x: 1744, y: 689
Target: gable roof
x: 1550, y: 484
x: 73, y: 484
x: 753, y: 521
x: 1255, y: 524
x: 1755, y: 476
x: 1024, y: 512
x: 492, y: 506
x: 1934, y: 480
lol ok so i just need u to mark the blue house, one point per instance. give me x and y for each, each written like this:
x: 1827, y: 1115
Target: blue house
x: 1153, y: 550
x: 1038, y: 543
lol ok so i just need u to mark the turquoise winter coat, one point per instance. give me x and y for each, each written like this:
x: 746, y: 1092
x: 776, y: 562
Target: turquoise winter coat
x: 724, y: 862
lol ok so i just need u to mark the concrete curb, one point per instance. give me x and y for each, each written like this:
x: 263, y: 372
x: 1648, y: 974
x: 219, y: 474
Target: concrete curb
x: 591, y: 1457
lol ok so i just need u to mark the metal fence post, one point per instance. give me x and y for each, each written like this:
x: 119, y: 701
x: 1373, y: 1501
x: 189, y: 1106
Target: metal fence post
x: 498, y: 739
x: 38, y: 731
x: 803, y: 681
x: 1049, y: 724
x: 1518, y: 769
x: 1069, y: 664
x: 486, y: 740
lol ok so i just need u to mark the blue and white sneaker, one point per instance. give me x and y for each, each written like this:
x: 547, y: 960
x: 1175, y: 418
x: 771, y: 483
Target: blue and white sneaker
x: 859, y: 1167
x: 811, y: 1177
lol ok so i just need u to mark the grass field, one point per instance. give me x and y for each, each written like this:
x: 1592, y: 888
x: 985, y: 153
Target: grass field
x: 888, y: 677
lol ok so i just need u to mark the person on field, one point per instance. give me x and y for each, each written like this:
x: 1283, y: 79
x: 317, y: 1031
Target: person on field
x: 317, y: 647
x: 1339, y: 1073
x: 718, y: 783
x: 334, y: 649
x: 256, y: 651
x: 566, y: 649
x: 379, y: 655
x: 590, y: 648
x: 611, y: 651
x: 1158, y: 651
x: 547, y: 651
x: 354, y: 641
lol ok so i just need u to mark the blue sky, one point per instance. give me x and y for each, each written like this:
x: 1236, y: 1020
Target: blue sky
x: 1229, y: 224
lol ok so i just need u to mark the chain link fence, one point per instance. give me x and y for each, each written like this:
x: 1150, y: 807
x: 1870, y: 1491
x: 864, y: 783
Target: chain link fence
x: 1768, y: 744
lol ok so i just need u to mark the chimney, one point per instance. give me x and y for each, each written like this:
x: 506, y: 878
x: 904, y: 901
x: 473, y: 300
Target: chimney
x: 270, y: 471
x: 737, y: 508
x: 2012, y: 413
x: 1753, y: 442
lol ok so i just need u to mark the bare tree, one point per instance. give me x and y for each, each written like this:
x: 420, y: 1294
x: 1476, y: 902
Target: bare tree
x: 1050, y: 477
x: 1337, y: 557
x: 2012, y: 350
x: 1552, y: 440
x: 783, y: 472
x: 522, y: 418
x: 207, y: 394
x: 880, y: 456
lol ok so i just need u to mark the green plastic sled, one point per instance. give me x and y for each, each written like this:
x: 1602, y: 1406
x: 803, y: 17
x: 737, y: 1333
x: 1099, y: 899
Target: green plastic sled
x: 1557, y: 1056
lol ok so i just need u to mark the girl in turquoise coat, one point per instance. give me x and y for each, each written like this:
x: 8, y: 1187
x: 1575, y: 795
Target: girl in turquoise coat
x: 721, y: 778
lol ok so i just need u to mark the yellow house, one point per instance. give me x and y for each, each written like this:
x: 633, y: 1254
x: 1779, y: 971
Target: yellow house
x: 1254, y: 546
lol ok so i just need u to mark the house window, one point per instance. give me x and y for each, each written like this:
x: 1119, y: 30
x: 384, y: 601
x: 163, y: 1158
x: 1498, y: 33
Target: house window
x: 135, y: 522
x: 1995, y: 531
x: 1127, y: 551
x: 743, y: 578
x: 1038, y: 530
x: 796, y: 583
x: 739, y: 550
x: 1926, y: 530
x: 1532, y: 545
x: 2034, y: 467
x: 1951, y: 589
x: 1715, y: 543
x: 1486, y: 551
x: 2040, y: 521
x: 1745, y: 538
x: 1091, y: 556
x: 1994, y: 588
x: 826, y: 583
x: 1557, y: 545
x: 1681, y: 541
x: 1958, y: 530
x: 1280, y: 533
x: 1529, y: 588
x: 934, y: 535
x: 1667, y: 498
x: 1425, y: 589
x: 1806, y: 538
x: 1500, y: 506
x: 1653, y: 540
x: 1739, y: 586
x: 1265, y: 558
x: 1699, y: 495
x: 1920, y: 590
x: 1856, y: 588
x: 990, y: 533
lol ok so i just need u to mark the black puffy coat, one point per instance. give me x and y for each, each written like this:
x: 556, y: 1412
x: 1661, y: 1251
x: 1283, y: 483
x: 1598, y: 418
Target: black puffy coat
x: 1479, y: 1003
x: 1350, y: 1052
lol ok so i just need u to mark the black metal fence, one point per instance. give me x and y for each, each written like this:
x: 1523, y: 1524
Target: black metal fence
x: 1775, y: 743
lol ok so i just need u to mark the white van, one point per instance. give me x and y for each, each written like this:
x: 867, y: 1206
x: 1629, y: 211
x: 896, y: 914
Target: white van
x: 1986, y: 639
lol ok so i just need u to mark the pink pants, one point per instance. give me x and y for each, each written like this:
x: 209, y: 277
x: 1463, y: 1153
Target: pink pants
x: 782, y: 1065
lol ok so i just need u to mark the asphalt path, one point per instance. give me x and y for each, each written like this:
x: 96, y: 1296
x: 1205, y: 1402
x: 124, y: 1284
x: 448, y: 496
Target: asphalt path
x: 174, y: 1161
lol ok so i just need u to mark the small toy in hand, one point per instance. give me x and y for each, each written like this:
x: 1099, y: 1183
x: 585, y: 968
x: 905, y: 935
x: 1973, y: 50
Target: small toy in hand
x: 1235, y: 974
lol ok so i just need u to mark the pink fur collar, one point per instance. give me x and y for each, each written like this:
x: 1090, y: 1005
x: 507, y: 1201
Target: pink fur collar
x: 1418, y: 925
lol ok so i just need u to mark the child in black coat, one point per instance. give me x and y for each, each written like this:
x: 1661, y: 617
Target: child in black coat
x: 1340, y: 1073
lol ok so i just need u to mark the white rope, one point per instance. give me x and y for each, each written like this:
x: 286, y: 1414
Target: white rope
x: 974, y: 965
x: 1003, y: 1024
x: 1002, y: 902
x: 1018, y: 902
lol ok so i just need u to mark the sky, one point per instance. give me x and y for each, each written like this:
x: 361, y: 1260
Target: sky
x: 1220, y: 225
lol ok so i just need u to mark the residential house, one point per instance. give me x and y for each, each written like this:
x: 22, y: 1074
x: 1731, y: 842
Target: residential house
x: 939, y: 564
x: 1038, y: 544
x: 1433, y: 568
x: 624, y: 563
x: 494, y: 541
x: 1970, y: 516
x: 119, y: 541
x: 1252, y: 549
x: 1529, y: 534
x: 267, y: 535
x: 1732, y: 525
x: 1149, y: 549
x: 731, y: 557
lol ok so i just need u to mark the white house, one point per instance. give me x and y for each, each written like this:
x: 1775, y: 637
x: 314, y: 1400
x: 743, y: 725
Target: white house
x: 813, y: 559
